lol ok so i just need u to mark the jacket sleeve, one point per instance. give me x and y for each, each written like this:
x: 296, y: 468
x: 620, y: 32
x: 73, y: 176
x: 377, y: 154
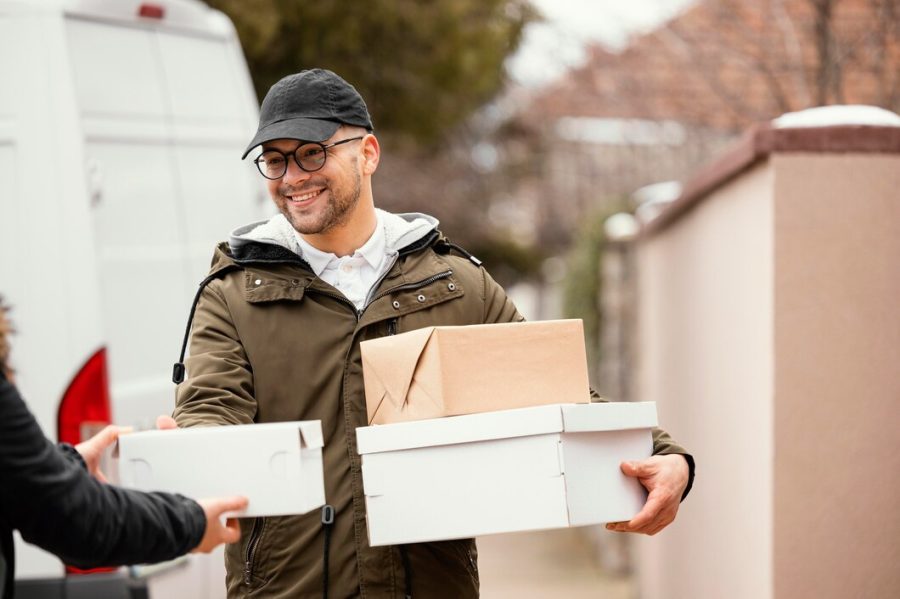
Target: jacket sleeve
x: 53, y: 501
x: 497, y: 305
x: 663, y: 444
x: 218, y: 389
x: 499, y: 308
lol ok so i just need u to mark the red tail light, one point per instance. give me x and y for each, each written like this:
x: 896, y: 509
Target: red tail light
x: 152, y: 11
x: 85, y: 405
x: 84, y: 410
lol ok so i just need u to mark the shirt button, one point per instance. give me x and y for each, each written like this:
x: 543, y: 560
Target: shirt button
x: 347, y: 267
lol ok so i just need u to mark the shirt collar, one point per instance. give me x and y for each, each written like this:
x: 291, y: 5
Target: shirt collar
x: 373, y: 250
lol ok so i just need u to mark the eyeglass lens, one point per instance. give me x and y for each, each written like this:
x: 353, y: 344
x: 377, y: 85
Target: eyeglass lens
x: 273, y: 164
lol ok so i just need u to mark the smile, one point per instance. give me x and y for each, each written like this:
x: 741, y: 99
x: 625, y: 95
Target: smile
x: 305, y: 197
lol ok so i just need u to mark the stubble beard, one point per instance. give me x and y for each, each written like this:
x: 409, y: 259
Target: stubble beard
x: 336, y: 213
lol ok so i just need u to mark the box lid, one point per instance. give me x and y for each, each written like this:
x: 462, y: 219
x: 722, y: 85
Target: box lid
x: 504, y: 424
x: 609, y: 416
x: 310, y: 433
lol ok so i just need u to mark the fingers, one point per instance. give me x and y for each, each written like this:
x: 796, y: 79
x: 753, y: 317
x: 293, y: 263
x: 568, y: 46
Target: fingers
x: 216, y: 533
x: 644, y: 519
x: 91, y: 449
x: 661, y: 477
x: 232, y: 531
x: 104, y: 438
x: 652, y: 507
x: 165, y: 422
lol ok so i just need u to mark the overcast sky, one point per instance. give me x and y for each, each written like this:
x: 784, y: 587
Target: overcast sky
x: 550, y: 47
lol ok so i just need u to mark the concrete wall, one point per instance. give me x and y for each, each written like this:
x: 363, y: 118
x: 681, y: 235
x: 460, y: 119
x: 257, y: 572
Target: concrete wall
x: 837, y: 376
x: 770, y: 337
x: 705, y: 357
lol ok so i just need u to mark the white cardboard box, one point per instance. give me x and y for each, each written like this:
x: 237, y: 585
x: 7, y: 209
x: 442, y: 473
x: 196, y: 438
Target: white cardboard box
x: 277, y: 466
x: 533, y: 468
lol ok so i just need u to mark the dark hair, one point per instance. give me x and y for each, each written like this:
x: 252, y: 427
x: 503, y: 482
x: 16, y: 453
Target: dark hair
x: 6, y: 330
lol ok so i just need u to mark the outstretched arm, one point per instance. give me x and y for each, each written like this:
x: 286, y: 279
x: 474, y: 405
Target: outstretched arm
x: 56, y: 504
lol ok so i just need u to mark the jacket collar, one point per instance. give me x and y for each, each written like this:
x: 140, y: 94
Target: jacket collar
x: 400, y: 231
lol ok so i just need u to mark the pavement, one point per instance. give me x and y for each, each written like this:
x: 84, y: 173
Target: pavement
x: 551, y: 563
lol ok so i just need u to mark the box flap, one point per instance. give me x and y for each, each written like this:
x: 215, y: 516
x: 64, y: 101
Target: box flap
x: 390, y: 367
x: 460, y: 429
x: 609, y: 416
x: 311, y: 435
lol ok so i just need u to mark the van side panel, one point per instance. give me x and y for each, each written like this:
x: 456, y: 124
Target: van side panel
x: 163, y: 137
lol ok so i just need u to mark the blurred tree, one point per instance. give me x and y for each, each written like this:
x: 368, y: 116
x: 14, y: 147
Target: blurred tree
x: 423, y: 67
x: 583, y: 283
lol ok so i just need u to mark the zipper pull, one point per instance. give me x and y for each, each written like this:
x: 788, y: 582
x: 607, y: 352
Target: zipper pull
x: 392, y: 326
x: 247, y: 573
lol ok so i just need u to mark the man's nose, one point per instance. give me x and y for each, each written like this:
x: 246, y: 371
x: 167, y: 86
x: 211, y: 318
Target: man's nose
x: 294, y: 174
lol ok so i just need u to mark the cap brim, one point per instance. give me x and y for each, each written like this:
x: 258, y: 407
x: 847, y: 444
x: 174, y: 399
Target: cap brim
x: 302, y: 128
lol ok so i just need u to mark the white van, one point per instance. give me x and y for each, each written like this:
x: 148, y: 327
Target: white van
x: 121, y: 127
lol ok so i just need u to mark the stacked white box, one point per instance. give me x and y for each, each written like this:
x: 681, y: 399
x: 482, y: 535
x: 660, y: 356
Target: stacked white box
x: 533, y: 468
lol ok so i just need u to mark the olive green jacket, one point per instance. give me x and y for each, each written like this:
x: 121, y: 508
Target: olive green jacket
x: 273, y: 342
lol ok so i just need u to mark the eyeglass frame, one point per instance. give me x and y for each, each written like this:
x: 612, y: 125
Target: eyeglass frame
x: 293, y: 153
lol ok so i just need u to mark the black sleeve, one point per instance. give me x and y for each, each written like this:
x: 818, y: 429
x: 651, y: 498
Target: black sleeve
x: 53, y: 501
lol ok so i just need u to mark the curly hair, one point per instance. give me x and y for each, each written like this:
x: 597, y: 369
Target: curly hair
x: 6, y: 330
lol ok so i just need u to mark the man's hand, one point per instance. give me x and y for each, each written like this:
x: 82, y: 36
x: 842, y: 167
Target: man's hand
x: 216, y: 533
x: 665, y: 477
x: 92, y: 449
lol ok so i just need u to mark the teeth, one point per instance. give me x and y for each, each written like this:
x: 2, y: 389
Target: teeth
x: 305, y: 197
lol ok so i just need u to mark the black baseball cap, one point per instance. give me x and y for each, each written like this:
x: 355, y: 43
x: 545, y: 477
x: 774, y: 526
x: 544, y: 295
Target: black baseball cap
x: 309, y: 106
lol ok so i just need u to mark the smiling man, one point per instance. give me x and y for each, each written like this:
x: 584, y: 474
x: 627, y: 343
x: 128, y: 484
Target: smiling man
x: 276, y: 337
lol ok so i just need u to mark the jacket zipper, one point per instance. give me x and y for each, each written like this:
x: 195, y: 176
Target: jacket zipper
x: 251, y: 549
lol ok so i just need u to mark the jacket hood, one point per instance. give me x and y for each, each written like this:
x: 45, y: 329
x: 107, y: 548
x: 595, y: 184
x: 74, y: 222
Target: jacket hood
x: 400, y: 230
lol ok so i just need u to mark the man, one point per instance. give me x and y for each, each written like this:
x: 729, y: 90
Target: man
x: 55, y: 497
x: 276, y: 337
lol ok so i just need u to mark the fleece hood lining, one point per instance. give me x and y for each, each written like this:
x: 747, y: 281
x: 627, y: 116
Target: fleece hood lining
x: 400, y: 230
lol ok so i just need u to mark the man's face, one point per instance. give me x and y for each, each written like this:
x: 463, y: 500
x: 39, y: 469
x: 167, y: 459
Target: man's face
x: 315, y: 203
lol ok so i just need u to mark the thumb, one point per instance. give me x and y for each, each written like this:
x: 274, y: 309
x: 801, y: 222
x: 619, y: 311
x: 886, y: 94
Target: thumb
x: 165, y: 422
x: 635, y: 469
x: 219, y: 505
x: 108, y: 435
x: 232, y: 531
x: 101, y: 440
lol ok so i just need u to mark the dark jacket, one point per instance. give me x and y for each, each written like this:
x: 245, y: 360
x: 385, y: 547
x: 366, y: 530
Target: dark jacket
x: 48, y: 496
x: 273, y: 342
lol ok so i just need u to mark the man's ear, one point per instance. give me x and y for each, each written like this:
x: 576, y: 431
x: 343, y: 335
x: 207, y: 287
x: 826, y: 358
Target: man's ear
x: 371, y: 154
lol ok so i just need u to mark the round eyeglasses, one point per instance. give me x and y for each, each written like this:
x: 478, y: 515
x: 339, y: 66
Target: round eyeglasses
x: 310, y: 157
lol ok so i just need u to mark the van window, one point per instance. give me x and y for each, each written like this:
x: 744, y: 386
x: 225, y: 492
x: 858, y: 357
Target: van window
x: 115, y: 71
x: 209, y: 92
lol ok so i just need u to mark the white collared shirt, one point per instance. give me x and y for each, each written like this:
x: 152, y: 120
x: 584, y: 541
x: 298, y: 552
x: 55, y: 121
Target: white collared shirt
x: 354, y: 275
